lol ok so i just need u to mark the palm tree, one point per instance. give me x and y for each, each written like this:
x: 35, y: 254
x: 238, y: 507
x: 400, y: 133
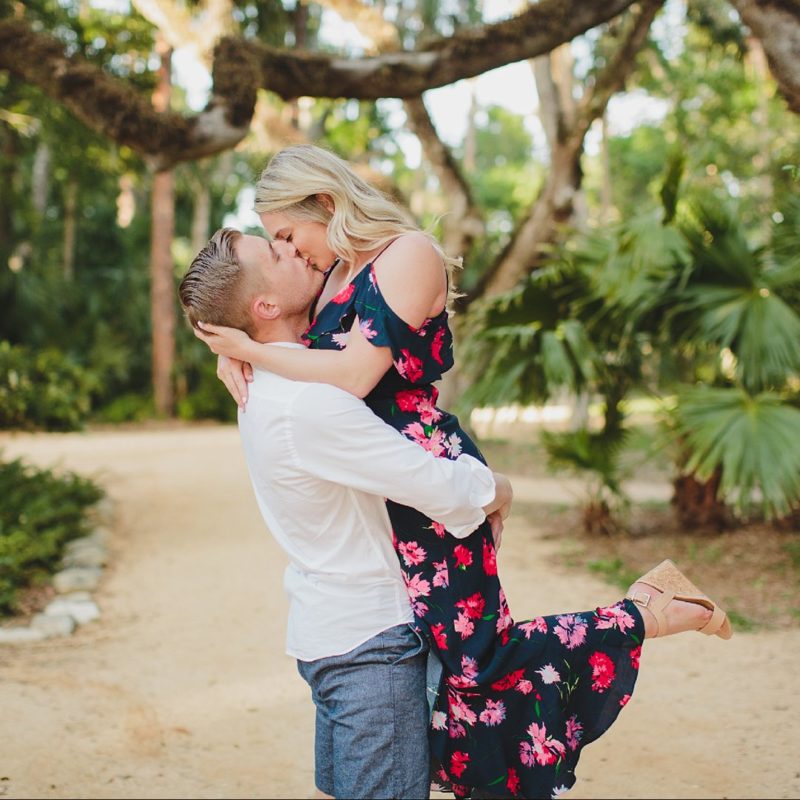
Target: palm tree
x: 676, y: 301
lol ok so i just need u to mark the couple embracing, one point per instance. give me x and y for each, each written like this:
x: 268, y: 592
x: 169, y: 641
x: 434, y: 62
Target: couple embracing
x: 388, y: 513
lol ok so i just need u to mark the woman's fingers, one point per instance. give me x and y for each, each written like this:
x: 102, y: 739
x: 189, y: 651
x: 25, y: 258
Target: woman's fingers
x: 230, y: 372
x: 496, y: 524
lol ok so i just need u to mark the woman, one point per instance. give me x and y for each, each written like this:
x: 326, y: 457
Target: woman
x: 517, y: 701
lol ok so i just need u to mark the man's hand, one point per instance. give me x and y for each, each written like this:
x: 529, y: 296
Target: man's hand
x: 235, y: 375
x: 503, y: 497
x: 496, y: 523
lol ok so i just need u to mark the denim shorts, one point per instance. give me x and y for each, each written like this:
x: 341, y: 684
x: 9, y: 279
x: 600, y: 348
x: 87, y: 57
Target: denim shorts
x: 371, y: 738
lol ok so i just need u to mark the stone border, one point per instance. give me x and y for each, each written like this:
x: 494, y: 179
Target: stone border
x: 82, y: 568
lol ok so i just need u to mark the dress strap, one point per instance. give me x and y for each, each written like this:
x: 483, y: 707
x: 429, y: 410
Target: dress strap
x: 383, y: 250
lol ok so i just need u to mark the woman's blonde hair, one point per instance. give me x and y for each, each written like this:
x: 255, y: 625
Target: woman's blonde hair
x: 297, y: 178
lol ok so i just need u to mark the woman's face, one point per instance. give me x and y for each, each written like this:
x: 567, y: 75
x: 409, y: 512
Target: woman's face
x: 310, y: 238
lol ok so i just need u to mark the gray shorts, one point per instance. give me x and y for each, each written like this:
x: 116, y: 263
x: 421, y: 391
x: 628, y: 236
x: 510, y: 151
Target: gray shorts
x: 371, y: 737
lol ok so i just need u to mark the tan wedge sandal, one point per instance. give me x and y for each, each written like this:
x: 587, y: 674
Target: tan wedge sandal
x: 674, y: 585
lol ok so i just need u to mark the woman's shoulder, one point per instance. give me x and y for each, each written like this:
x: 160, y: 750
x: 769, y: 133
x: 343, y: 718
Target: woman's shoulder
x: 409, y: 250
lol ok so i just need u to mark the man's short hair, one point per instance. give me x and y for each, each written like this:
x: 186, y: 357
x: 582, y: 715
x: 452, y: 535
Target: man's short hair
x: 216, y: 287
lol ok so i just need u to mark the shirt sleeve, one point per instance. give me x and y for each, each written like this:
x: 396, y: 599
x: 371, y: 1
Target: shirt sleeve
x: 337, y: 438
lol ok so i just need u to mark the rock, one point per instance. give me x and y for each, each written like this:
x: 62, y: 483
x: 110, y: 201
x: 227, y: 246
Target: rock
x: 12, y: 635
x: 103, y: 511
x: 85, y: 552
x: 76, y: 579
x: 82, y: 610
x: 53, y: 624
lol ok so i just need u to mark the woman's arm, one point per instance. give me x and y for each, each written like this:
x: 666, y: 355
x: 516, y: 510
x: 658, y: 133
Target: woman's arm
x: 356, y: 369
x: 411, y: 261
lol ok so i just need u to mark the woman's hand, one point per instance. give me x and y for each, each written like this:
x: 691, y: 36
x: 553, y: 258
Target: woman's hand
x: 229, y: 342
x: 235, y: 375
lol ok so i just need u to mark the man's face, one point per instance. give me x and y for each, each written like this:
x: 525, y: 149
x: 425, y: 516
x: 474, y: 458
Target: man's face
x: 288, y: 281
x: 310, y: 238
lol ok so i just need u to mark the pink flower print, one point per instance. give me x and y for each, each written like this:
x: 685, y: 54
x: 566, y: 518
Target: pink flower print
x: 459, y: 710
x: 341, y: 339
x: 439, y: 636
x: 613, y: 617
x: 635, y: 655
x: 419, y: 608
x: 512, y: 784
x: 373, y: 278
x: 439, y: 721
x: 504, y: 620
x: 546, y: 749
x: 429, y: 413
x: 460, y: 682
x: 365, y: 326
x: 526, y: 753
x: 463, y: 556
x: 524, y: 687
x: 441, y: 578
x: 574, y: 732
x: 344, y: 295
x: 571, y: 630
x: 409, y: 399
x: 417, y: 586
x: 458, y: 763
x: 412, y: 553
x: 508, y: 681
x: 409, y: 366
x: 603, y: 671
x: 436, y: 346
x: 422, y: 330
x: 433, y: 443
x: 456, y: 730
x: 537, y: 625
x: 472, y: 606
x: 469, y: 667
x: 464, y: 625
x: 454, y: 445
x: 623, y: 701
x: 489, y: 558
x: 437, y: 528
x: 549, y: 674
x: 494, y: 713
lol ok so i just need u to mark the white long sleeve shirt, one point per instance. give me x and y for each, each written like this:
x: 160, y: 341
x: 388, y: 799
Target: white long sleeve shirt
x: 321, y: 464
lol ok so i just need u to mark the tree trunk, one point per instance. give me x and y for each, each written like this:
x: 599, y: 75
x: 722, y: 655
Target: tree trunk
x: 201, y: 213
x: 697, y: 504
x: 41, y: 179
x: 70, y: 229
x: 162, y: 288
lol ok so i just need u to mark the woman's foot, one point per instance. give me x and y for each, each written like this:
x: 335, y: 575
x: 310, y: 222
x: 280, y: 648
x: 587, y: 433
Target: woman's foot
x: 680, y: 615
x: 671, y: 603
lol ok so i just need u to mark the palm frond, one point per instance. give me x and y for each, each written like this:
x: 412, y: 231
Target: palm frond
x: 753, y: 439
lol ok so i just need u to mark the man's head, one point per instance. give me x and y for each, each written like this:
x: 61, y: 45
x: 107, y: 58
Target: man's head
x: 249, y: 283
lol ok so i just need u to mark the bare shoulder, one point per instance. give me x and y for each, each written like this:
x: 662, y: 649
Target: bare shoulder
x: 412, y: 277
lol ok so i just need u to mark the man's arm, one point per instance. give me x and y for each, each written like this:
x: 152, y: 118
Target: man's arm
x: 339, y: 439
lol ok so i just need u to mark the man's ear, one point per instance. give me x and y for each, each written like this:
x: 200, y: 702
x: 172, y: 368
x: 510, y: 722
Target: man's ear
x: 261, y: 308
x: 326, y: 201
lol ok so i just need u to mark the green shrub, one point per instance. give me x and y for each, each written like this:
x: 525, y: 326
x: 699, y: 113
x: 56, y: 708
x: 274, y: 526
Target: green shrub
x: 40, y: 511
x: 43, y: 389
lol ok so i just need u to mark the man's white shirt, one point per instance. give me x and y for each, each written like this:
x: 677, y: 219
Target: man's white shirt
x: 321, y: 464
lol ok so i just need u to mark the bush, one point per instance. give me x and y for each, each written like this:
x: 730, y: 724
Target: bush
x: 42, y: 389
x: 40, y: 512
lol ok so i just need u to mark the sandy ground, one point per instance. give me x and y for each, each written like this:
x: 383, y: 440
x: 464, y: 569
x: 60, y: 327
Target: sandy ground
x: 182, y: 689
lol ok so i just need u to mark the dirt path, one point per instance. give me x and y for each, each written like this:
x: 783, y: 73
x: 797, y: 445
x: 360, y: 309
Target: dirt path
x: 182, y: 689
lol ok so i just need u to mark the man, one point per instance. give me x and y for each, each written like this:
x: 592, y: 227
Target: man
x: 321, y: 464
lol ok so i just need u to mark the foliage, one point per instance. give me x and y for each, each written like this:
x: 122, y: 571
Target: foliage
x: 663, y: 302
x: 40, y: 512
x: 42, y: 389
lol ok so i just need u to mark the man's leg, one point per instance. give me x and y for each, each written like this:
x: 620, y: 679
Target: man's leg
x: 372, y: 709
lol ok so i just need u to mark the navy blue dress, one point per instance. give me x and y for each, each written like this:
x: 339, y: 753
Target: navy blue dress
x: 517, y: 700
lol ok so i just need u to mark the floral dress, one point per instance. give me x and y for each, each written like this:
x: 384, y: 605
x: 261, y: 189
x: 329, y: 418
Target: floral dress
x: 517, y: 700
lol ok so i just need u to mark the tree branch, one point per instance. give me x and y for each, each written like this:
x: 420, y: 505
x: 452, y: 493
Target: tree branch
x: 777, y: 24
